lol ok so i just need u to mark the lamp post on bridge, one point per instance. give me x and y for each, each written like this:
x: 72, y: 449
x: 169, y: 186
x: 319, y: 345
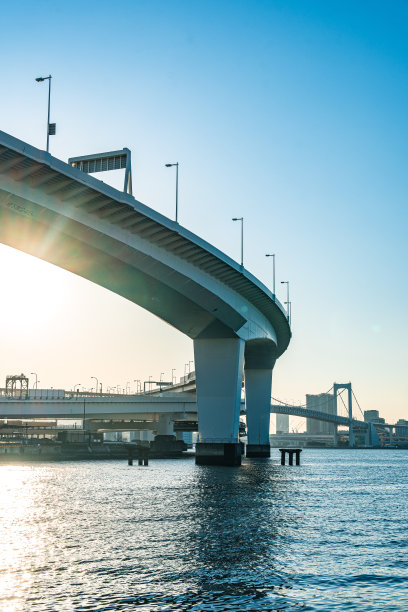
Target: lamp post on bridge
x: 177, y: 167
x: 287, y: 298
x: 50, y: 126
x: 242, y: 238
x: 77, y: 388
x: 97, y: 383
x: 36, y: 379
x: 173, y: 378
x: 272, y: 255
x: 289, y: 306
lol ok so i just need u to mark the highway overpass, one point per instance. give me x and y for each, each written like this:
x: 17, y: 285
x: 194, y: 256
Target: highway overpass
x: 64, y: 216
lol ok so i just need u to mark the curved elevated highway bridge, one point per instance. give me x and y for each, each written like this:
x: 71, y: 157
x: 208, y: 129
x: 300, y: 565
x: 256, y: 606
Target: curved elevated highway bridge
x: 66, y: 217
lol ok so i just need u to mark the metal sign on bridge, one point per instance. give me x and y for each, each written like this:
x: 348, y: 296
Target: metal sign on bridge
x: 102, y: 162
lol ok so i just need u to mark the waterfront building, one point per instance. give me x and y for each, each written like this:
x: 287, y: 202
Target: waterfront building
x: 371, y: 416
x: 401, y: 428
x: 324, y: 402
x: 282, y: 423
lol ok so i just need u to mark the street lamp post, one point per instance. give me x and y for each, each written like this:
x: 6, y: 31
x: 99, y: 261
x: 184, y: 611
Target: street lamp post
x: 272, y: 255
x: 36, y: 379
x: 177, y: 166
x: 290, y: 311
x: 287, y: 298
x: 242, y: 238
x: 50, y: 127
x: 97, y: 382
x: 77, y: 388
x: 172, y: 375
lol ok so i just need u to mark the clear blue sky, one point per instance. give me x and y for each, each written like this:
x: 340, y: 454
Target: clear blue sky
x: 292, y: 114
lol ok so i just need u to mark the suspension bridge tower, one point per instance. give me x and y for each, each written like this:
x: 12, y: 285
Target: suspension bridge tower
x: 347, y: 386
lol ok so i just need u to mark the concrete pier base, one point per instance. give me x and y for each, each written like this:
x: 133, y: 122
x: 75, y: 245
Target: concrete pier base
x: 219, y: 364
x: 258, y: 450
x: 259, y: 362
x: 218, y: 453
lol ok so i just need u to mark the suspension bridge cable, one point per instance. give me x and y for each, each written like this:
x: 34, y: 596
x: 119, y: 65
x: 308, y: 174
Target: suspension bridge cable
x: 357, y: 402
x: 345, y: 407
x: 303, y: 405
x: 339, y: 395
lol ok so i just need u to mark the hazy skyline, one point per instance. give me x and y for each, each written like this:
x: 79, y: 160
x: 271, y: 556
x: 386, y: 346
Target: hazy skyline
x: 292, y: 115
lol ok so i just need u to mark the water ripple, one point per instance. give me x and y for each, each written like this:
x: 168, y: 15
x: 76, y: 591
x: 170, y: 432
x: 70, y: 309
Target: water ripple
x: 329, y: 535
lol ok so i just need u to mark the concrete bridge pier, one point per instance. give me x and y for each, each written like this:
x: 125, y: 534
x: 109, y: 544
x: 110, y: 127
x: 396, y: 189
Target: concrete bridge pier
x: 259, y: 362
x: 165, y: 425
x: 219, y: 365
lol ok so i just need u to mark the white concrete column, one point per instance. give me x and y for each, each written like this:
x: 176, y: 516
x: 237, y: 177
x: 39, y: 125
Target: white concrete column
x: 258, y: 385
x: 165, y: 425
x: 219, y: 364
x: 259, y: 362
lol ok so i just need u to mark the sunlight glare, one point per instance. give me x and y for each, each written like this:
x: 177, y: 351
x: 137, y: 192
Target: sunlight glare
x: 34, y: 290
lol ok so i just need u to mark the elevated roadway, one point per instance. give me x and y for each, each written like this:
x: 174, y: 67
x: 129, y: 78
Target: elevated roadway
x: 66, y: 217
x: 164, y: 412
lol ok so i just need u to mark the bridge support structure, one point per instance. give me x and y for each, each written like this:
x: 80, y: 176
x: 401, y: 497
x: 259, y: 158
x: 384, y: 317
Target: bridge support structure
x: 336, y: 387
x: 374, y: 439
x: 259, y: 362
x: 165, y: 425
x: 219, y: 365
x: 60, y: 214
x: 335, y: 436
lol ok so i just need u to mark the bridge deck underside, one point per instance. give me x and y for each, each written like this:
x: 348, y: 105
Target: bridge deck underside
x: 60, y: 214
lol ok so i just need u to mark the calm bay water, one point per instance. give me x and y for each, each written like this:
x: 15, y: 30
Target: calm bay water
x: 331, y: 534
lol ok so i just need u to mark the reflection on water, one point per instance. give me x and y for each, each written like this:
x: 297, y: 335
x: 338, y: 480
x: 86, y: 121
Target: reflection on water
x: 328, y: 535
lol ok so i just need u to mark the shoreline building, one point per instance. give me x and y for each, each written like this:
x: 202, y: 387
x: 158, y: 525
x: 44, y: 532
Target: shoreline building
x: 324, y: 402
x: 282, y: 423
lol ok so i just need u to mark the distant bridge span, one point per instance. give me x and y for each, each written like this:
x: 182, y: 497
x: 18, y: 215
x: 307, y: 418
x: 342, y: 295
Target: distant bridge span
x: 156, y: 411
x: 179, y: 405
x: 66, y: 217
x: 315, y: 414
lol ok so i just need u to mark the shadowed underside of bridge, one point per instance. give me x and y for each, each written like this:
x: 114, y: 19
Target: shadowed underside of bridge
x: 61, y: 215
